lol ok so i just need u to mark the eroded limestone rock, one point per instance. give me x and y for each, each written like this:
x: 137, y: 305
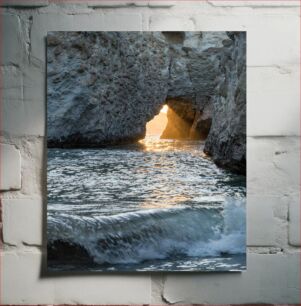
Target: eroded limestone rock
x: 103, y: 87
x: 226, y: 142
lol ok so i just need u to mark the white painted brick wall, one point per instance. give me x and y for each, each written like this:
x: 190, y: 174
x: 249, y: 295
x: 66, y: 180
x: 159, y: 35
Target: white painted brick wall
x: 24, y: 3
x: 269, y: 279
x: 294, y: 221
x: 23, y: 223
x: 23, y: 284
x: 13, y: 43
x: 273, y: 157
x: 10, y: 171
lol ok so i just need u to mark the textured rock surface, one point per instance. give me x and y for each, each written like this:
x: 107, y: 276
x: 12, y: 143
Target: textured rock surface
x: 226, y: 142
x: 103, y: 87
x: 180, y: 117
x: 187, y: 119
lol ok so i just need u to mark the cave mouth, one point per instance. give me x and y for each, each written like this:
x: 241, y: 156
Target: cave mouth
x: 179, y: 119
x: 186, y: 121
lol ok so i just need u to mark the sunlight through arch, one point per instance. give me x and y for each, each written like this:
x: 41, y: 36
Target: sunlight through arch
x: 156, y: 126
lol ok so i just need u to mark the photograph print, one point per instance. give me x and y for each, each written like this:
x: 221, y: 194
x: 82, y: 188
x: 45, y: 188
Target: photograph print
x: 146, y: 151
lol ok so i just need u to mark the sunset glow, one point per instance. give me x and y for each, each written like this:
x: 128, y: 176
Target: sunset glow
x: 164, y: 109
x: 157, y: 125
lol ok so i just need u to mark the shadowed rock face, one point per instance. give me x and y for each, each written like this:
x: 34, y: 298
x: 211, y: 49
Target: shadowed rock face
x: 103, y: 87
x: 187, y: 120
x: 180, y: 116
x: 226, y: 142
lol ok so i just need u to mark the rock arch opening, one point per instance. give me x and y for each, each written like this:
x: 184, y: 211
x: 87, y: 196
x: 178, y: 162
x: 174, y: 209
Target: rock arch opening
x: 157, y: 125
x: 180, y: 119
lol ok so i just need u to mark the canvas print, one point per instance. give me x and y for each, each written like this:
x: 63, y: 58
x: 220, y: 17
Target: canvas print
x: 146, y: 151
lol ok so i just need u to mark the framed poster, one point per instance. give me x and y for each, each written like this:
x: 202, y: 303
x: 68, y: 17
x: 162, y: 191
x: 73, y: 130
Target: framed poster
x: 146, y: 137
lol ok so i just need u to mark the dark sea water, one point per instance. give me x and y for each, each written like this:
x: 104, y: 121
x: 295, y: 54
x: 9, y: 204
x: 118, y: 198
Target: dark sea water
x: 160, y: 205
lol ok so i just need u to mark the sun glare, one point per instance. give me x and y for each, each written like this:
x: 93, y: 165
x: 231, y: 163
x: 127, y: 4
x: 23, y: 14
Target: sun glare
x: 164, y: 109
x: 157, y: 125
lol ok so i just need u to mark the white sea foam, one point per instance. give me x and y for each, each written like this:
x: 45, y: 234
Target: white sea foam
x: 133, y: 237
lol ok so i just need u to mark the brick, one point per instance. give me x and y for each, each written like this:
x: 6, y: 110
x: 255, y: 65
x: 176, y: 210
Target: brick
x: 170, y: 23
x: 273, y: 165
x: 33, y: 153
x: 116, y: 4
x: 24, y: 3
x: 260, y: 219
x: 268, y: 279
x: 273, y: 88
x: 22, y: 221
x: 23, y: 89
x: 12, y: 83
x: 122, y: 22
x: 268, y: 38
x: 157, y: 287
x: 23, y: 103
x: 163, y: 4
x: 34, y: 102
x: 12, y: 88
x: 294, y: 221
x: 264, y: 46
x: 121, y: 4
x: 286, y: 160
x: 258, y: 4
x: 22, y: 284
x: 10, y: 167
x: 13, y: 43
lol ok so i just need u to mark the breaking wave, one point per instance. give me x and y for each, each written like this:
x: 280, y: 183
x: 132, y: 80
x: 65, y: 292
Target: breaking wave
x: 142, y: 235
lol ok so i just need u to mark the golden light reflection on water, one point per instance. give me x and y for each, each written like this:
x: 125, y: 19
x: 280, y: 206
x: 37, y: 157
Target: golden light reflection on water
x: 154, y: 144
x: 165, y: 198
x: 172, y: 201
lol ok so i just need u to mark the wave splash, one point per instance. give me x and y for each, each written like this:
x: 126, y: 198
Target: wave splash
x: 142, y: 235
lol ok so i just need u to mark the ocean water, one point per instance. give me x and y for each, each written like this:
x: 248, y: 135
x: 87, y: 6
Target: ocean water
x: 160, y: 205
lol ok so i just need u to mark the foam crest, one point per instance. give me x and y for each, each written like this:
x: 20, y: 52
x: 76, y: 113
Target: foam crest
x: 137, y: 236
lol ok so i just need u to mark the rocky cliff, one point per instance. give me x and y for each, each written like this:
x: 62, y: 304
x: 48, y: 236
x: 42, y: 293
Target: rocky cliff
x: 103, y: 87
x: 226, y: 142
x: 193, y: 71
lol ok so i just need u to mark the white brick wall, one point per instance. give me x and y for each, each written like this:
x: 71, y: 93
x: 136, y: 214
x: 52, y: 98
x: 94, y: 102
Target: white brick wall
x: 24, y: 284
x: 269, y: 278
x: 10, y: 172
x: 23, y: 222
x: 273, y: 181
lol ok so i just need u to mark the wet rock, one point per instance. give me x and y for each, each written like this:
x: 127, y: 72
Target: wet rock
x: 67, y: 252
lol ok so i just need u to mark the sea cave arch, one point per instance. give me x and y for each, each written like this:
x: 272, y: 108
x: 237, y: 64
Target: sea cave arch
x: 180, y: 118
x: 96, y: 100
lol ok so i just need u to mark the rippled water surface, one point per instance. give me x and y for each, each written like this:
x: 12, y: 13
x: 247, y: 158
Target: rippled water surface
x: 157, y: 205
